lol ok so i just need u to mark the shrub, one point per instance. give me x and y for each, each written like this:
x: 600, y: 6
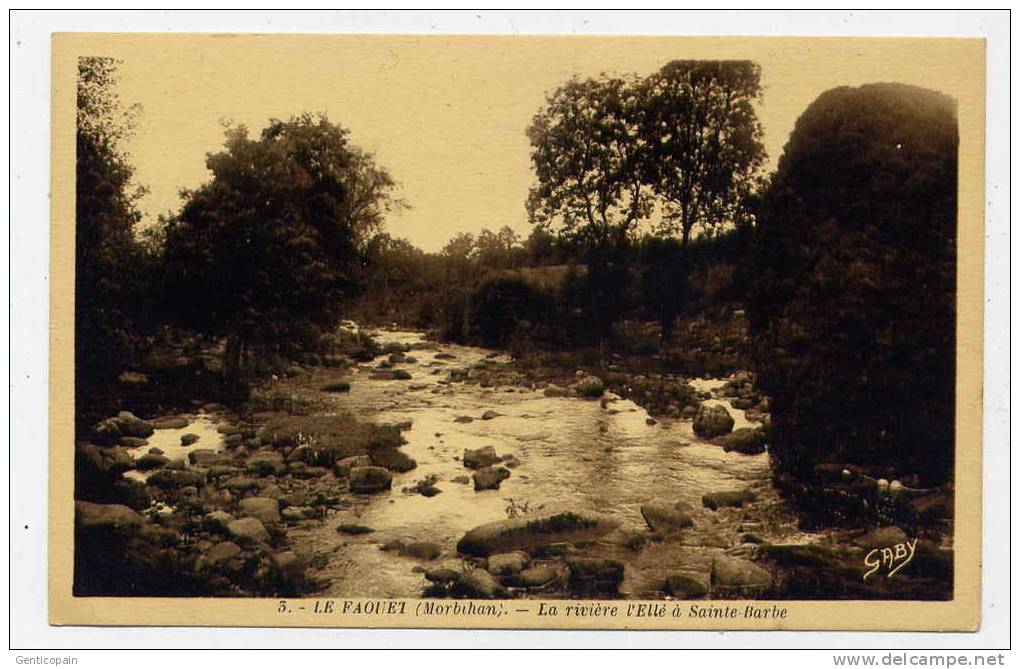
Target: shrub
x: 506, y: 305
x: 338, y: 387
x: 591, y: 387
x: 853, y: 311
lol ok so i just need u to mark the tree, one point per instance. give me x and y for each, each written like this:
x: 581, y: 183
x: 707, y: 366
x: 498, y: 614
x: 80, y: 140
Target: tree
x: 496, y: 249
x: 853, y: 309
x: 704, y: 150
x: 460, y: 248
x: 703, y: 140
x: 587, y: 157
x: 265, y: 253
x: 369, y: 196
x: 108, y: 258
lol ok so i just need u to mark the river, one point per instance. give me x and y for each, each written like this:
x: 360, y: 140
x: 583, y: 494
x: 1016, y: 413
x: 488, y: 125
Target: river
x: 571, y: 454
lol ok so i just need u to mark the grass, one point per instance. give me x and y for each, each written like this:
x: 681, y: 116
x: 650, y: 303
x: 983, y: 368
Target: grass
x: 329, y: 438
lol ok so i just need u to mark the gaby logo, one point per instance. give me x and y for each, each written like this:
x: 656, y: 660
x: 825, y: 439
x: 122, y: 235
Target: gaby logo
x: 892, y: 558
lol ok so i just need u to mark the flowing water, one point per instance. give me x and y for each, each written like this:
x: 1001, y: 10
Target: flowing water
x: 573, y: 454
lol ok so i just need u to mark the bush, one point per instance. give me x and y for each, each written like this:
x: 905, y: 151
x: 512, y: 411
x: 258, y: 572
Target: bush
x: 337, y: 387
x: 853, y: 312
x: 591, y: 387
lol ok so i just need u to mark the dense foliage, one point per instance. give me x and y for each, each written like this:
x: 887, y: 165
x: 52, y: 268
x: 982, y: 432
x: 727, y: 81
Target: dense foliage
x: 267, y: 251
x: 110, y: 263
x: 853, y: 305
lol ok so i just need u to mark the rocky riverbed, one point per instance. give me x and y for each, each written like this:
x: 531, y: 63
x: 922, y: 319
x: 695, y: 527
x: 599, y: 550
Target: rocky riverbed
x: 449, y: 471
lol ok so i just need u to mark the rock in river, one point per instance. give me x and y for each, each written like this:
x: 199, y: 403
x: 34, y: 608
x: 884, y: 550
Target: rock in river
x: 175, y: 478
x: 683, y: 586
x: 480, y: 457
x: 662, y: 518
x: 507, y: 564
x: 731, y: 572
x: 442, y: 575
x: 221, y: 552
x: 151, y: 461
x: 535, y: 577
x: 343, y: 467
x: 478, y: 584
x: 370, y: 479
x: 170, y: 423
x: 265, y: 509
x: 746, y: 440
x: 124, y: 424
x: 422, y: 550
x: 392, y: 459
x: 248, y: 531
x: 107, y: 517
x: 593, y: 576
x: 529, y: 533
x: 712, y: 421
x: 489, y: 478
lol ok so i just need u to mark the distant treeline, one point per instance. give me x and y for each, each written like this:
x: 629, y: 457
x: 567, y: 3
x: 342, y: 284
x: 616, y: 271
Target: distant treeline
x: 496, y: 289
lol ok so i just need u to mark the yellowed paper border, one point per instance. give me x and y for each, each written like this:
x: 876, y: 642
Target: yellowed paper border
x: 955, y: 63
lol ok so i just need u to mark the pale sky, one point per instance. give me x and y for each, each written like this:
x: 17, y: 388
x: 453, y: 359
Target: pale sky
x: 446, y: 115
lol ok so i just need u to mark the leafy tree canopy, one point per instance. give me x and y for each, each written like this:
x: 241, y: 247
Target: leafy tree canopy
x: 266, y: 251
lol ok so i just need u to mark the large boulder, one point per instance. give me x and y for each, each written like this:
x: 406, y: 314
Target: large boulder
x: 221, y: 552
x: 737, y: 573
x: 175, y: 478
x: 507, y: 564
x: 206, y: 457
x: 683, y: 586
x: 594, y: 576
x: 422, y: 550
x: 116, y: 518
x: 746, y: 440
x: 265, y: 509
x: 712, y: 421
x: 393, y: 459
x: 248, y: 531
x: 478, y: 584
x: 489, y: 478
x: 217, y: 521
x: 662, y: 518
x: 530, y: 533
x: 151, y: 461
x: 480, y: 457
x: 370, y: 479
x: 535, y: 577
x: 170, y: 423
x: 344, y: 466
x: 287, y: 570
x: 124, y: 424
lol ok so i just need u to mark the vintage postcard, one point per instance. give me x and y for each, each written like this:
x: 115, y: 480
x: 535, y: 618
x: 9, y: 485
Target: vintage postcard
x: 516, y: 332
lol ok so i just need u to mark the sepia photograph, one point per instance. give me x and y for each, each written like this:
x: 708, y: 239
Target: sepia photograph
x: 519, y: 326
